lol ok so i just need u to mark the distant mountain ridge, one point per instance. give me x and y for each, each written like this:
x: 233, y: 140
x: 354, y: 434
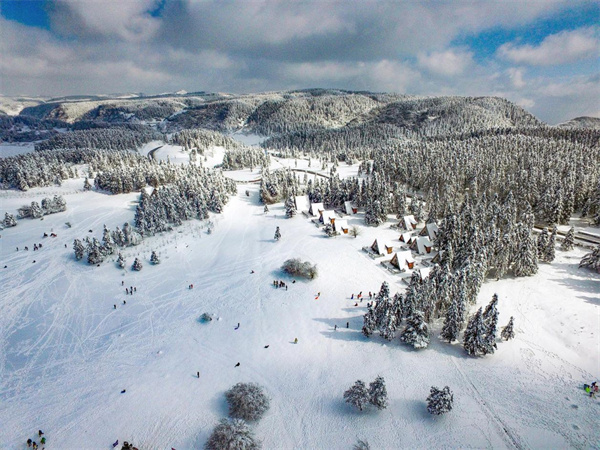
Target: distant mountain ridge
x: 282, y: 112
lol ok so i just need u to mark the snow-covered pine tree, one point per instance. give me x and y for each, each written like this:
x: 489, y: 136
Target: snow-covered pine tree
x: 508, y: 332
x: 329, y: 231
x: 550, y: 251
x: 277, y: 234
x: 526, y: 260
x: 411, y: 296
x: 121, y: 261
x: 36, y: 210
x: 232, y: 434
x: 416, y: 332
x: 357, y: 395
x: 137, y: 265
x: 591, y: 260
x: 154, y: 259
x: 94, y: 251
x: 79, y: 249
x: 290, y: 207
x: 474, y: 338
x: 9, y: 221
x: 378, y: 393
x: 369, y: 324
x: 440, y: 401
x: 452, y: 321
x: 569, y: 241
x: 542, y: 244
x: 108, y: 245
x: 490, y: 320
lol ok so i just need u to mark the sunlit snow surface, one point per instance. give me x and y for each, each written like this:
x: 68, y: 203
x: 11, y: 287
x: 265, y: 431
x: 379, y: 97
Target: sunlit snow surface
x: 66, y: 353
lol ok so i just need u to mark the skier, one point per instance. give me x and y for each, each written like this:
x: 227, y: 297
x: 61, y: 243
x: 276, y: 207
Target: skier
x: 347, y: 324
x: 122, y: 283
x: 335, y: 328
x: 266, y: 346
x: 29, y: 441
x: 198, y: 373
x: 35, y: 446
x: 126, y: 291
x: 40, y: 432
x: 116, y: 443
x: 238, y: 326
x: 114, y: 306
x: 237, y: 365
x: 43, y: 441
x: 123, y: 391
x: 134, y: 289
x: 352, y: 297
x: 295, y: 340
x: 124, y: 302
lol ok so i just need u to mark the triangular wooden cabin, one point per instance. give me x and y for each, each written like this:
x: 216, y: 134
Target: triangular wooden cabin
x: 315, y: 209
x: 349, y: 209
x: 328, y: 216
x: 405, y: 237
x: 408, y: 223
x: 341, y: 226
x: 302, y: 202
x: 375, y: 247
x: 403, y: 260
x: 422, y: 245
x: 430, y: 230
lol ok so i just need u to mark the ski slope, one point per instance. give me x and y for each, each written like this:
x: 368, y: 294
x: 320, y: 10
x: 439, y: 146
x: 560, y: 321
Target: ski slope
x: 66, y: 353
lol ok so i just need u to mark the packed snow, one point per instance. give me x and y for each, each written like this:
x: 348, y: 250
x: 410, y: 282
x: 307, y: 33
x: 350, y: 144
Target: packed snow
x: 66, y: 353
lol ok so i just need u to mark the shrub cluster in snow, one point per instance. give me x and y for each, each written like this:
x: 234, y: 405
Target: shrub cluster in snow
x: 232, y: 434
x: 49, y: 206
x: 247, y: 401
x: 591, y: 260
x: 295, y: 267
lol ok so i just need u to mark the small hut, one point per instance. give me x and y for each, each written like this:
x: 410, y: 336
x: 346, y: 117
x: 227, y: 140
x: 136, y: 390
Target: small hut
x: 403, y: 260
x: 430, y: 230
x: 408, y: 223
x: 349, y: 209
x: 315, y: 209
x: 422, y: 245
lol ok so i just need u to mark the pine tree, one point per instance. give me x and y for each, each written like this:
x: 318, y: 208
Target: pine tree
x: 507, y: 331
x: 108, y: 246
x: 525, y: 264
x: 9, y: 221
x: 440, y: 401
x: 290, y: 207
x: 94, y: 251
x: 121, y: 261
x: 569, y: 241
x: 490, y: 320
x: 137, y: 265
x: 591, y: 260
x: 542, y: 244
x: 550, y: 251
x: 36, y: 210
x: 416, y: 332
x: 452, y: 322
x: 277, y: 234
x: 154, y: 259
x: 357, y: 395
x: 79, y: 249
x: 369, y: 324
x: 474, y: 338
x: 378, y: 393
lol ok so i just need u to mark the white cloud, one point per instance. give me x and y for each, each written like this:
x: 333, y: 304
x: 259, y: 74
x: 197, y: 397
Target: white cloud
x: 516, y: 77
x: 448, y: 63
x: 560, y: 48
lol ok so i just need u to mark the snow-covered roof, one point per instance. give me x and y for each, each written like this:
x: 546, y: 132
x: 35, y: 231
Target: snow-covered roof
x: 405, y: 237
x: 430, y: 229
x: 315, y: 208
x: 401, y: 259
x: 302, y: 202
x: 420, y: 243
x: 408, y: 221
x: 424, y: 271
x: 341, y: 223
x: 348, y: 207
x: 328, y: 215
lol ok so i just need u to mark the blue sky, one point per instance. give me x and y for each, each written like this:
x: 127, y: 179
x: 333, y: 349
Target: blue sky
x: 543, y: 55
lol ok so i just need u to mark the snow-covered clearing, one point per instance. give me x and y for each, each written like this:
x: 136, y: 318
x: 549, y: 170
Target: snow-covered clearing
x: 66, y: 353
x: 13, y: 149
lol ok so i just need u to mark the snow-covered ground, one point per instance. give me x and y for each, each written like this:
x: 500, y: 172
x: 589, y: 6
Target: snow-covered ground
x: 12, y: 149
x: 66, y: 353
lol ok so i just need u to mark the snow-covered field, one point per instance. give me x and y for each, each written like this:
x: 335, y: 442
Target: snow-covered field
x: 66, y: 353
x: 12, y: 149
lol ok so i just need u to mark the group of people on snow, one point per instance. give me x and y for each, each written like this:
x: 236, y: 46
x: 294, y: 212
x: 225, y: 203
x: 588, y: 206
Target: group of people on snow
x: 32, y: 444
x: 280, y: 284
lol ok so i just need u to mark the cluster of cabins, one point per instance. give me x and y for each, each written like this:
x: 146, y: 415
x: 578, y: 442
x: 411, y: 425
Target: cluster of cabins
x: 412, y: 242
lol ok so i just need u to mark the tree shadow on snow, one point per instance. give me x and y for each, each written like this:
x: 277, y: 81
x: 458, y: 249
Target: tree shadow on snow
x: 219, y: 405
x: 580, y: 279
